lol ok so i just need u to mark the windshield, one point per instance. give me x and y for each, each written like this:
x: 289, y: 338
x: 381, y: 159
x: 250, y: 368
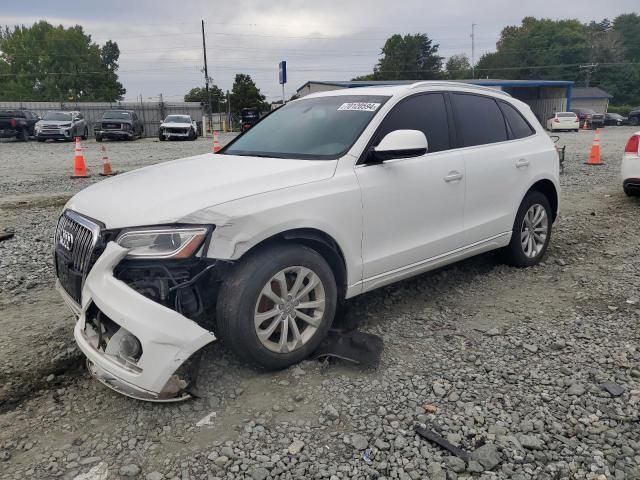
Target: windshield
x: 117, y: 115
x: 314, y: 128
x: 60, y: 116
x: 177, y: 119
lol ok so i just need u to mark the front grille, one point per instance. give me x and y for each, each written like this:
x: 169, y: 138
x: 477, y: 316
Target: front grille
x: 75, y: 240
x: 112, y: 126
x: 176, y: 130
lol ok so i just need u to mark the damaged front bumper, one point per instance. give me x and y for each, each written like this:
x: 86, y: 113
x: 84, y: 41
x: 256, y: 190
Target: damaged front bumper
x: 147, y: 343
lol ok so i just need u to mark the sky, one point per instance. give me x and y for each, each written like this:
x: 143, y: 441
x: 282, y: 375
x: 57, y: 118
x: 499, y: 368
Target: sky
x: 161, y: 43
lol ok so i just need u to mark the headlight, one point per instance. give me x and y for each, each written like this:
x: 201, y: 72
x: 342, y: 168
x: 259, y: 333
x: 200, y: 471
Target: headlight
x: 163, y: 242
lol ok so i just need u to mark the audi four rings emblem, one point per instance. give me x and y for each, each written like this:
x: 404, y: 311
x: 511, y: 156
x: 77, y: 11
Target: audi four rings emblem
x: 66, y: 240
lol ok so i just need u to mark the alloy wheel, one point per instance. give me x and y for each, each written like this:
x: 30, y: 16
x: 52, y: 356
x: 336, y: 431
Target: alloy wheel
x: 534, y: 230
x: 290, y: 309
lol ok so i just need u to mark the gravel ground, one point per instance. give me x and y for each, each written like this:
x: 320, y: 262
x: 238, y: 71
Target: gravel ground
x: 535, y: 372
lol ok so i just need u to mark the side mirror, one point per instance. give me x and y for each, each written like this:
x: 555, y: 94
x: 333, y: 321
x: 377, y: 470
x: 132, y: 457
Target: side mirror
x: 401, y: 144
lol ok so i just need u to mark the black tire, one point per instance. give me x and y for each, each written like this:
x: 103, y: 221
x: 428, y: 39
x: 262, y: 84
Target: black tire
x: 161, y: 137
x: 23, y: 135
x: 98, y: 138
x: 240, y: 293
x: 631, y: 192
x: 41, y: 140
x: 85, y: 135
x: 634, y: 121
x: 514, y: 252
x: 192, y: 135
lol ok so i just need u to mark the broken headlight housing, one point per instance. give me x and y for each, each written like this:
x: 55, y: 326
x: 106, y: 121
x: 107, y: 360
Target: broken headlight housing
x: 162, y: 242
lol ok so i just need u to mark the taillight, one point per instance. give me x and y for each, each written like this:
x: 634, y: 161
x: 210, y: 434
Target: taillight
x: 633, y: 145
x: 13, y: 123
x: 556, y: 120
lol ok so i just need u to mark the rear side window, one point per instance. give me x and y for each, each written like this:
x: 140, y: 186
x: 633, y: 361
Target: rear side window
x: 519, y: 127
x: 426, y: 113
x: 479, y: 120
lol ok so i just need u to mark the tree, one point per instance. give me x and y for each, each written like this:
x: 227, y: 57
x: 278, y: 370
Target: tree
x: 218, y: 98
x: 409, y: 57
x: 245, y: 94
x: 458, y: 67
x: 48, y: 63
x: 521, y: 51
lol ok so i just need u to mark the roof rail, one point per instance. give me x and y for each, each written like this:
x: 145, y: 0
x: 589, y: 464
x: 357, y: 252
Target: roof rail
x: 439, y: 83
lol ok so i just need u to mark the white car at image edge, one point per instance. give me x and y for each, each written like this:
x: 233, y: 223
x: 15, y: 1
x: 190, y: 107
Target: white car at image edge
x: 331, y: 196
x: 630, y: 169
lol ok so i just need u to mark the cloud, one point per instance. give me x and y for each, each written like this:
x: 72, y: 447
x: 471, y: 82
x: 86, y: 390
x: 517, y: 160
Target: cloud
x: 161, y: 46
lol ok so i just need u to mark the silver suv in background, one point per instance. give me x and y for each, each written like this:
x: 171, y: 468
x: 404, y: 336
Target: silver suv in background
x: 61, y: 125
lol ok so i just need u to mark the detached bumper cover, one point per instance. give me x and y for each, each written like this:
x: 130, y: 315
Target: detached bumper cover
x: 167, y: 337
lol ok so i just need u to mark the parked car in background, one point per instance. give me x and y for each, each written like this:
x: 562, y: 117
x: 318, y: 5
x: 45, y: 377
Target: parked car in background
x: 614, y: 119
x: 328, y: 197
x: 61, y: 125
x: 119, y: 125
x: 593, y: 119
x: 634, y: 116
x: 630, y: 169
x: 563, y: 121
x: 248, y: 118
x: 178, y: 126
x: 17, y: 123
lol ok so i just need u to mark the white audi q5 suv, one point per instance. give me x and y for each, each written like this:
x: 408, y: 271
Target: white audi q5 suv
x: 328, y: 197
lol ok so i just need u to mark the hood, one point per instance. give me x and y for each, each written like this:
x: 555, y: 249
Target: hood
x: 176, y: 125
x: 54, y: 122
x: 167, y: 192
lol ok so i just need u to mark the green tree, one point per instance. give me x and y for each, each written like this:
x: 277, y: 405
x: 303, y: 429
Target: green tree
x: 48, y: 63
x: 522, y: 50
x: 245, y: 94
x: 198, y: 94
x: 458, y: 67
x: 409, y: 57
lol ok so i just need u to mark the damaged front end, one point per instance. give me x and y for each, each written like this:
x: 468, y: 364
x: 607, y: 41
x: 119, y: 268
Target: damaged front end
x: 145, y: 314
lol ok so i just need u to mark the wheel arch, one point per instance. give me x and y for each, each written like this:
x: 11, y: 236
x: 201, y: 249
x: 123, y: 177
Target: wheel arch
x: 549, y: 190
x: 317, y: 240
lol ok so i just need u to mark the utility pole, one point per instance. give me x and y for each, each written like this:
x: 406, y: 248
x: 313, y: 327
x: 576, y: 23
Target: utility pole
x: 473, y: 50
x: 589, y: 68
x: 206, y: 78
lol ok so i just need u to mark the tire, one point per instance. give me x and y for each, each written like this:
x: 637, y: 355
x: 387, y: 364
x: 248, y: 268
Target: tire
x: 515, y: 252
x: 192, y: 135
x: 98, y: 138
x: 241, y: 298
x: 85, y: 135
x: 23, y: 136
x: 161, y: 137
x: 634, y: 121
x: 630, y: 192
x: 41, y: 140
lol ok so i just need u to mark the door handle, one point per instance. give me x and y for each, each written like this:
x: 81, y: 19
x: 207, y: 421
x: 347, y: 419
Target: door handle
x: 453, y: 176
x: 523, y: 162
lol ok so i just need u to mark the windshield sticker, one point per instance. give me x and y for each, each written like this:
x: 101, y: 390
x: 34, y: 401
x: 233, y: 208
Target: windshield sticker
x: 359, y: 107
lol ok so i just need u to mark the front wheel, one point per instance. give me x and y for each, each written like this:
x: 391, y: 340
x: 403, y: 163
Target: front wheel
x: 192, y: 135
x: 277, y: 305
x: 531, y: 231
x: 98, y: 138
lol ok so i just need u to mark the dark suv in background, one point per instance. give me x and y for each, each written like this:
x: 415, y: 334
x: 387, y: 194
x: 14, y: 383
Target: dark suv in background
x: 17, y: 123
x: 593, y: 119
x: 634, y: 116
x: 119, y: 124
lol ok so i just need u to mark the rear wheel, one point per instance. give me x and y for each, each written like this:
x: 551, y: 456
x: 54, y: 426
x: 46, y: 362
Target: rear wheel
x: 531, y: 231
x: 277, y: 305
x: 631, y: 192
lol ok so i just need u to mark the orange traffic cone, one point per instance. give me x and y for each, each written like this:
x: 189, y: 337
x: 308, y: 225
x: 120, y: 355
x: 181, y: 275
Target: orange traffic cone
x: 106, y: 166
x: 215, y: 148
x: 585, y: 125
x: 79, y: 167
x: 594, y: 156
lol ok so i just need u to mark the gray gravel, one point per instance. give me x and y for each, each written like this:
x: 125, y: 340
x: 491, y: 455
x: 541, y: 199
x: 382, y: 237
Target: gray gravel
x: 535, y: 372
